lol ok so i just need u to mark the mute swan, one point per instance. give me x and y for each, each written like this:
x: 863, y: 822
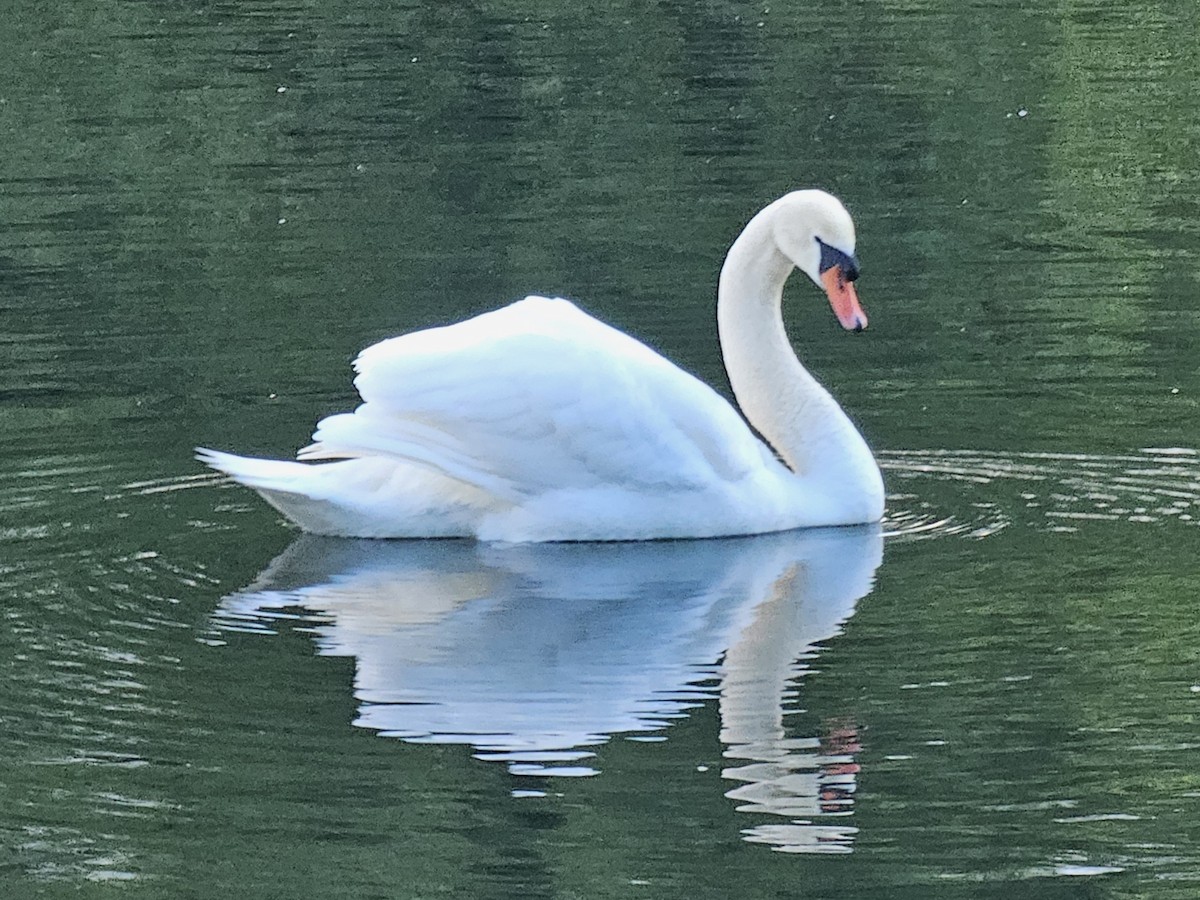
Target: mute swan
x: 537, y: 422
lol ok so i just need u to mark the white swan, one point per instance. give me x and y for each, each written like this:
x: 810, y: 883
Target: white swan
x: 537, y: 422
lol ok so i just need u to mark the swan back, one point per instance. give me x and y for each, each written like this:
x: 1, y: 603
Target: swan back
x: 539, y: 396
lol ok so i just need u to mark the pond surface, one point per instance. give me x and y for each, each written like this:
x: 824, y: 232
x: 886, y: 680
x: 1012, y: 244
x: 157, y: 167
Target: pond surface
x: 207, y: 209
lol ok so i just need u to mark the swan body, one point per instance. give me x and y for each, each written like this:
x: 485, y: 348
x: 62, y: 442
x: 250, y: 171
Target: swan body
x: 538, y: 422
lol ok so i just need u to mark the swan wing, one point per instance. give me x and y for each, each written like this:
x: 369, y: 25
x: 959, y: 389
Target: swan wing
x: 539, y: 396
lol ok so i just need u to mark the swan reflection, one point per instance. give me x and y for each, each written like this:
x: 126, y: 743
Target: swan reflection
x: 533, y: 653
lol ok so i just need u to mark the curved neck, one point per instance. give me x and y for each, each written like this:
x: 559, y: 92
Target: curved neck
x: 778, y: 396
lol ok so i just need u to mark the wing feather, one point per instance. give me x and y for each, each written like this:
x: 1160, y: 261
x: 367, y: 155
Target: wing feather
x: 539, y: 396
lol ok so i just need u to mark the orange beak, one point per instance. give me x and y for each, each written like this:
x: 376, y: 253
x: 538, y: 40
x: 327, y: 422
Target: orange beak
x: 843, y: 299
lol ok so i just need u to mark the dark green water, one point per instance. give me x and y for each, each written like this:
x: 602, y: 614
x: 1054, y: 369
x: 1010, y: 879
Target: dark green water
x: 207, y: 208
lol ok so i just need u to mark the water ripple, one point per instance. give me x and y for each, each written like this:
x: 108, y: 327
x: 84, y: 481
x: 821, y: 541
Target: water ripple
x: 938, y: 493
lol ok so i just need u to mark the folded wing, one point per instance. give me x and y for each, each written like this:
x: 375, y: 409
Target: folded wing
x: 535, y: 397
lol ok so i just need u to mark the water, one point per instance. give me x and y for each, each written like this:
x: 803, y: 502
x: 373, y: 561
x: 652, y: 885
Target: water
x: 208, y: 208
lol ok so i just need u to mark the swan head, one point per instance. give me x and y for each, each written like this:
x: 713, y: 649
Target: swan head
x: 814, y: 230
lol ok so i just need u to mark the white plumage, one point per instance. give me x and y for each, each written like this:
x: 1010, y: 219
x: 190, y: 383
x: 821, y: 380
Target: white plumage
x: 538, y: 422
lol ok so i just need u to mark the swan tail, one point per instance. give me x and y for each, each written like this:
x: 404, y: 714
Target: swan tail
x: 290, y: 487
x: 373, y: 498
x: 260, y: 474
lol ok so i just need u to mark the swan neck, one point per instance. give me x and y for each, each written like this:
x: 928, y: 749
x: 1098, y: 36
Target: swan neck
x: 789, y: 408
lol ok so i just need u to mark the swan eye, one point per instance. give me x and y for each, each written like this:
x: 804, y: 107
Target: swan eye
x: 832, y: 256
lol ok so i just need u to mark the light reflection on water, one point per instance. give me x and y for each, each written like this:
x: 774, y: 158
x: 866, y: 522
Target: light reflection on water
x: 532, y: 654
